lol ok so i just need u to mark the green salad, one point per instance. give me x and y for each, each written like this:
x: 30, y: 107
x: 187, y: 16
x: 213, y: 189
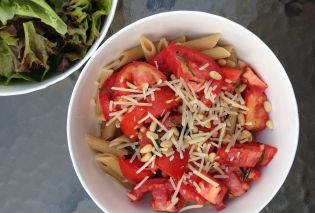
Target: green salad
x: 40, y: 37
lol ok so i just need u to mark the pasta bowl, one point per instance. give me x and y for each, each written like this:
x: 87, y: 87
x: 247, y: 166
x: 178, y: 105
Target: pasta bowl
x: 81, y: 116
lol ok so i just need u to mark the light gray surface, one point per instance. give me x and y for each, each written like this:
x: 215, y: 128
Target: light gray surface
x: 36, y: 174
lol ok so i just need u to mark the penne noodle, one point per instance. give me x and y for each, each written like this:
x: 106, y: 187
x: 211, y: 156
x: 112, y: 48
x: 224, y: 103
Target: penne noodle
x: 163, y: 43
x: 110, y: 164
x: 105, y: 74
x: 241, y: 64
x: 228, y: 48
x: 217, y: 53
x: 101, y: 145
x: 180, y: 39
x: 112, y: 65
x: 148, y: 48
x: 108, y: 132
x: 203, y: 43
x: 119, y: 140
x: 233, y: 56
x: 222, y: 62
x: 128, y: 56
x: 100, y: 116
x: 230, y: 63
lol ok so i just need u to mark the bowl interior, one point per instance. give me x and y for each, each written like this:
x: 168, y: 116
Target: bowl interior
x: 26, y: 87
x: 81, y: 121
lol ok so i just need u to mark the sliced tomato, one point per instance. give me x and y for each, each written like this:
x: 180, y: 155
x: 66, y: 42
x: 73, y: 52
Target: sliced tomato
x: 164, y: 101
x: 254, y: 174
x: 193, y: 66
x: 213, y: 194
x: 161, y: 200
x: 174, y: 168
x: 173, y: 121
x: 234, y: 184
x: 105, y: 95
x: 250, y: 78
x: 148, y: 186
x: 267, y: 155
x: 129, y: 170
x: 256, y: 115
x: 161, y: 65
x: 139, y: 74
x: 189, y: 193
x: 231, y: 76
x: 129, y: 123
x: 240, y: 155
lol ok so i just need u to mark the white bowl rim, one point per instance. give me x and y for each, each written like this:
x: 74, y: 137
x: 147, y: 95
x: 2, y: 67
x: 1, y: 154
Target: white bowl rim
x: 185, y: 12
x: 34, y: 86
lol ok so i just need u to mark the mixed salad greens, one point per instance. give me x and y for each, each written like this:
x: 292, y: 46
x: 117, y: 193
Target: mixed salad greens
x: 39, y: 37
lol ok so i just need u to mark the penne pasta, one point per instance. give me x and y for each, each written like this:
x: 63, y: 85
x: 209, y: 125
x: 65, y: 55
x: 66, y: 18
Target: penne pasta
x: 228, y: 48
x: 163, y: 43
x: 101, y: 145
x: 180, y: 39
x: 119, y: 140
x: 110, y: 164
x: 203, y: 43
x: 217, y: 53
x: 105, y: 74
x: 112, y: 65
x: 148, y: 48
x: 233, y: 56
x: 127, y: 57
x: 230, y: 63
x: 241, y: 64
x: 108, y: 132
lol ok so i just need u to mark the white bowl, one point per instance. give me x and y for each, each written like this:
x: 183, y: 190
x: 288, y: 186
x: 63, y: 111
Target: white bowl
x: 27, y: 87
x: 111, y: 198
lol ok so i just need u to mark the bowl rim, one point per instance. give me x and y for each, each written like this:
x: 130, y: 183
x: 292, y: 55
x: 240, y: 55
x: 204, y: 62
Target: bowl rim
x: 35, y: 86
x: 185, y: 12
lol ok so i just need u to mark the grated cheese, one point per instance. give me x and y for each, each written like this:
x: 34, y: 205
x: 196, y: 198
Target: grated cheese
x: 126, y: 90
x: 146, y: 164
x: 190, y: 207
x: 141, y: 182
x: 204, y: 66
x: 202, y: 176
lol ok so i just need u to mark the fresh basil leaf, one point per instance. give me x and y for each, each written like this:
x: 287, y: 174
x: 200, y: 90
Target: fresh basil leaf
x: 181, y: 57
x: 246, y: 173
x: 18, y: 76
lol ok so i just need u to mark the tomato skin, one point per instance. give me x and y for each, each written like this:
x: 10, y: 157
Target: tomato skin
x: 254, y: 174
x: 256, y: 115
x: 249, y: 155
x: 162, y: 66
x: 172, y: 121
x: 174, y: 168
x: 250, y: 78
x: 161, y: 199
x: 137, y: 73
x: 268, y: 154
x: 234, y: 184
x: 190, y: 194
x: 159, y: 105
x: 129, y: 170
x: 231, y: 74
x: 130, y: 121
x: 105, y: 96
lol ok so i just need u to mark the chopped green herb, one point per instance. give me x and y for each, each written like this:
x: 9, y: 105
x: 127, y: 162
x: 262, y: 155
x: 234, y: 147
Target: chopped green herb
x: 246, y: 174
x: 158, y: 141
x: 106, y: 90
x: 176, y: 123
x: 186, y: 62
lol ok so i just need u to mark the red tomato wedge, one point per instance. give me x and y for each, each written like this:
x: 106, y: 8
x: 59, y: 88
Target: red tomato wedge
x: 254, y: 174
x: 161, y: 200
x: 231, y: 76
x: 105, y: 95
x: 256, y: 115
x: 250, y: 78
x: 129, y: 170
x: 240, y: 155
x: 174, y: 168
x: 160, y: 62
x: 234, y: 184
x: 191, y: 65
x: 189, y: 193
x: 173, y: 121
x: 129, y: 123
x: 267, y: 155
x: 165, y: 100
x: 139, y: 74
x: 213, y: 194
x: 150, y: 185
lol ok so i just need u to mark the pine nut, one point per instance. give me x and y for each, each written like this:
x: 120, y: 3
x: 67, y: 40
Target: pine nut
x: 212, y: 156
x: 152, y: 135
x: 200, y: 116
x: 267, y: 106
x: 186, y: 144
x: 146, y: 149
x: 166, y: 144
x: 152, y: 127
x: 146, y: 157
x: 215, y: 75
x: 142, y: 129
x: 222, y: 62
x: 269, y: 124
x: 195, y: 129
x: 241, y: 88
x: 176, y: 132
x: 230, y: 63
x: 247, y: 134
x: 241, y: 119
x: 215, y: 134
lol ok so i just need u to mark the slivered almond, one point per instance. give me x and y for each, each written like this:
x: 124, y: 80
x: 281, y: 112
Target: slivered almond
x: 267, y: 106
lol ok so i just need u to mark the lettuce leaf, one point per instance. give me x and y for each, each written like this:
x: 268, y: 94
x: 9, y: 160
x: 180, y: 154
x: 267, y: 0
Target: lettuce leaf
x: 18, y: 76
x: 33, y: 8
x: 6, y: 60
x: 37, y: 49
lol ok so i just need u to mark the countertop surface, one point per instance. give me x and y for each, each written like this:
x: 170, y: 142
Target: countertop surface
x: 36, y: 173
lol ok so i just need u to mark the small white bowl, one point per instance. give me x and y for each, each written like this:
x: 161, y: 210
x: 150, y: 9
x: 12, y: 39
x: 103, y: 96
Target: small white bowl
x: 81, y: 120
x: 27, y: 87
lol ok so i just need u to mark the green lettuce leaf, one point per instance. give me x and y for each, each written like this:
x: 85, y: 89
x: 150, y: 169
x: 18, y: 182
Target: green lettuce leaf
x: 18, y: 76
x: 6, y: 60
x: 33, y: 8
x: 37, y: 49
